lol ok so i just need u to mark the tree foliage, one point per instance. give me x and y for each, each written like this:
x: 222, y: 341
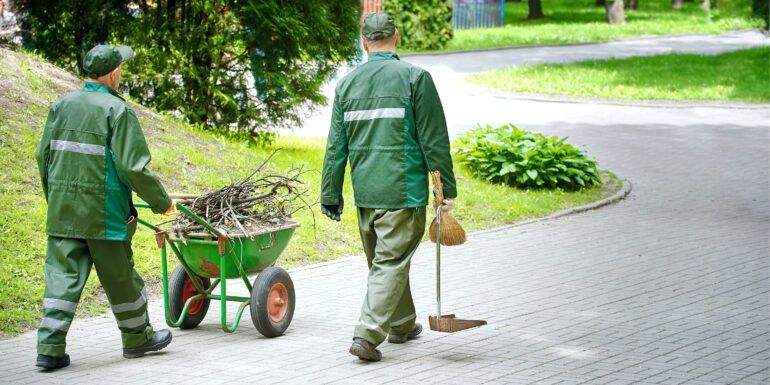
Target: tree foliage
x: 423, y: 24
x: 246, y: 66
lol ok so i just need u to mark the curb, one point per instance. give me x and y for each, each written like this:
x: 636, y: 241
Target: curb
x: 671, y: 104
x: 623, y: 192
x: 631, y: 39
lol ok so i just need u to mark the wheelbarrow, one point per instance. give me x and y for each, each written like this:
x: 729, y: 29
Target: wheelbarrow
x: 217, y: 255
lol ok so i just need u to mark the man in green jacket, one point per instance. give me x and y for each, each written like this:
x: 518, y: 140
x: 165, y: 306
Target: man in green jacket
x: 389, y: 122
x: 91, y: 157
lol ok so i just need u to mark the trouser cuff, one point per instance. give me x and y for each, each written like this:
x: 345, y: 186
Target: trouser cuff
x: 372, y: 336
x: 132, y: 340
x: 53, y: 350
x: 403, y: 329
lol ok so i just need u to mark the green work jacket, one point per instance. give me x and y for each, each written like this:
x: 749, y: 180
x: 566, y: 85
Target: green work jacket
x: 91, y: 156
x: 389, y: 122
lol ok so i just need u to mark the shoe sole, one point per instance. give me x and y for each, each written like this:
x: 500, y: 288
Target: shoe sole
x: 364, y: 354
x: 153, y: 348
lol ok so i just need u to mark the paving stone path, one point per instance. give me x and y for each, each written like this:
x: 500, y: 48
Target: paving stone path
x: 670, y: 285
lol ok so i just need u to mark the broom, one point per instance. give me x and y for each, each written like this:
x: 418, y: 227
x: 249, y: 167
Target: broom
x: 452, y: 232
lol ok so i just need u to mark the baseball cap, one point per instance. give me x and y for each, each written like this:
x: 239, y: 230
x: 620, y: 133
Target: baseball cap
x: 102, y: 59
x: 378, y: 26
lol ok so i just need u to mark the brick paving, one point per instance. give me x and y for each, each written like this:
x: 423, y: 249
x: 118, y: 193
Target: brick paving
x: 668, y: 286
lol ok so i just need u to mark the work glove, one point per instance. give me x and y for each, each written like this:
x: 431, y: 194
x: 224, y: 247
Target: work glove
x: 448, y: 205
x: 333, y: 211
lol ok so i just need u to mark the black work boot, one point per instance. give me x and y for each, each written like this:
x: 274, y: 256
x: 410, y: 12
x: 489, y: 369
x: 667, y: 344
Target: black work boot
x: 365, y: 350
x: 159, y: 340
x: 401, y: 338
x: 52, y: 363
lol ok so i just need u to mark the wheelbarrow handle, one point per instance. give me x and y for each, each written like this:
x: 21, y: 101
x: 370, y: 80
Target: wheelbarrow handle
x: 184, y: 210
x: 182, y: 196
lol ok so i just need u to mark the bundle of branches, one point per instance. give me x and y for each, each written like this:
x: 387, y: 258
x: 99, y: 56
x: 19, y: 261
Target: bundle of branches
x: 260, y: 202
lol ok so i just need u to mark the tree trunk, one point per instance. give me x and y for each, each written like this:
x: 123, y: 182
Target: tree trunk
x: 761, y: 8
x: 705, y: 5
x: 601, y: 3
x: 677, y: 4
x: 633, y: 4
x: 615, y: 13
x: 535, y: 10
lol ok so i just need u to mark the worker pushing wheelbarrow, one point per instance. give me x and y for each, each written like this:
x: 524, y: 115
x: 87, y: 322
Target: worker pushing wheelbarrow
x: 207, y: 258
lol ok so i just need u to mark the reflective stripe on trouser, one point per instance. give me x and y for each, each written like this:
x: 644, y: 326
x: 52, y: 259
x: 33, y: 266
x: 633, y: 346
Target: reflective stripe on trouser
x: 390, y: 238
x: 67, y: 267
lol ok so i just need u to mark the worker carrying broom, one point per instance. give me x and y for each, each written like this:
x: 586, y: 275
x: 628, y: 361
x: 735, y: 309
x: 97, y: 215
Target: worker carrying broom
x: 91, y: 156
x: 389, y: 122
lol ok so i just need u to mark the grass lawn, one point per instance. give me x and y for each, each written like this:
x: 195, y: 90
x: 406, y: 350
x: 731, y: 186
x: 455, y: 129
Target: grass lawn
x: 187, y: 160
x: 737, y: 76
x: 581, y: 21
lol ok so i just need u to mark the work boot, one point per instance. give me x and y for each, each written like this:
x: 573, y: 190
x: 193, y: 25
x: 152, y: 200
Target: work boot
x: 159, y: 340
x: 52, y: 363
x: 401, y: 338
x: 365, y: 350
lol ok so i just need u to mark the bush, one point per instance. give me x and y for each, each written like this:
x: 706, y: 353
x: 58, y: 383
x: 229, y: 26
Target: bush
x: 516, y: 157
x: 423, y: 24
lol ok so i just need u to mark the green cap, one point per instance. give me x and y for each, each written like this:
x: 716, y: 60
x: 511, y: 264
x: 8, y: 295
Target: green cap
x: 378, y: 26
x: 102, y: 59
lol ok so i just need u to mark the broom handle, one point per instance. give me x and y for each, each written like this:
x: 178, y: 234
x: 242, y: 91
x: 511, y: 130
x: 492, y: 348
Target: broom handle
x: 438, y: 260
x: 439, y: 199
x: 439, y: 188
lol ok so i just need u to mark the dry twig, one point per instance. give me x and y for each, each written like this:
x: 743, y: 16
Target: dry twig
x: 261, y: 201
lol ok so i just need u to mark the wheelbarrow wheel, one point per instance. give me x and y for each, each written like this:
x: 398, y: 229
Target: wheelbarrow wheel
x: 272, y: 302
x: 180, y: 289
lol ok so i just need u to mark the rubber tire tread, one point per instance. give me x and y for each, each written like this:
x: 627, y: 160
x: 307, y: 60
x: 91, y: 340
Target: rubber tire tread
x: 259, y: 292
x: 175, y: 303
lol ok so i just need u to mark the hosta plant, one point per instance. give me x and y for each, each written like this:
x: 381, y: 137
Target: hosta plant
x: 517, y: 157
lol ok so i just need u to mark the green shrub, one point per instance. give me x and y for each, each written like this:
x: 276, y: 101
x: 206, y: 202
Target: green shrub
x: 516, y: 157
x: 423, y: 24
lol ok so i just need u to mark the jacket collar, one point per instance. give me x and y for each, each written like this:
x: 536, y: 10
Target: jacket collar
x: 383, y: 55
x: 99, y: 87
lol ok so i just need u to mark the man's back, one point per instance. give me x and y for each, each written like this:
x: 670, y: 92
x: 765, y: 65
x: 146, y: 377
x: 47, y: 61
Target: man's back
x: 91, y: 148
x: 385, y: 121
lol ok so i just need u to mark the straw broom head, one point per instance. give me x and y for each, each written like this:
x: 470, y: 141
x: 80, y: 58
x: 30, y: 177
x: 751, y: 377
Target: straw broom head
x: 452, y: 232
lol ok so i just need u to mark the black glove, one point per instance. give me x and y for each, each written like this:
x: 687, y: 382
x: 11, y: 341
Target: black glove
x: 333, y: 211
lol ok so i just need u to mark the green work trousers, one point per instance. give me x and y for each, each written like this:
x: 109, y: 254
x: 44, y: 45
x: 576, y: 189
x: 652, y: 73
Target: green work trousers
x: 67, y: 266
x: 390, y: 238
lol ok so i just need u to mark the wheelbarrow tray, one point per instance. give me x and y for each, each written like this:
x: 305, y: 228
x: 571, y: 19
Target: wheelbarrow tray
x: 251, y: 253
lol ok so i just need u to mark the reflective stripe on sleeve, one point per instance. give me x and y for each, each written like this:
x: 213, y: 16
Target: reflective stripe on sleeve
x: 82, y: 148
x: 378, y: 113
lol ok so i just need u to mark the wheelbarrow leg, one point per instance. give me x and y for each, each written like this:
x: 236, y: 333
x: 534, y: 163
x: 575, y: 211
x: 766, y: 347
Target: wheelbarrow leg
x: 223, y: 297
x: 164, y: 270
